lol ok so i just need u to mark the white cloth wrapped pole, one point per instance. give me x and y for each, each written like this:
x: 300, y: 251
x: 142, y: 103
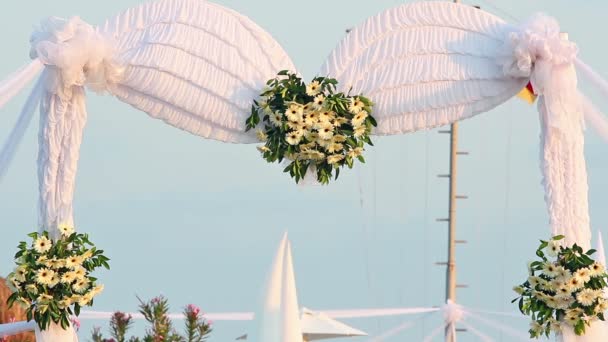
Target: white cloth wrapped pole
x: 75, y: 55
x: 539, y: 50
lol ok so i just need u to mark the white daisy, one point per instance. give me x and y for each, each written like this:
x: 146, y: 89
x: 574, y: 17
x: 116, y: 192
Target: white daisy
x: 534, y: 280
x: 276, y: 119
x: 68, y: 277
x: 307, y: 107
x: 356, y: 105
x: 597, y: 269
x: 81, y: 285
x: 263, y: 149
x: 552, y: 248
x: 359, y: 118
x: 519, y: 290
x: 312, y: 118
x: 334, y: 158
x: 294, y: 113
x: 73, y: 262
x: 574, y: 283
x: 65, y: 229
x: 293, y: 138
x: 550, y: 269
x: 338, y: 138
x: 359, y: 131
x: 319, y: 101
x: 44, y: 276
x: 326, y: 116
x: 563, y: 274
x: 583, y: 275
x: 42, y: 244
x: 261, y: 135
x: 326, y: 132
x: 355, y: 152
x: 20, y: 273
x: 313, y: 88
x: 334, y: 147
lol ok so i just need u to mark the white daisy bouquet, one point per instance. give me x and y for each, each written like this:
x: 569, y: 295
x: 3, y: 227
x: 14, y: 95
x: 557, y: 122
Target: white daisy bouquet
x: 312, y: 126
x: 565, y: 287
x: 54, y: 276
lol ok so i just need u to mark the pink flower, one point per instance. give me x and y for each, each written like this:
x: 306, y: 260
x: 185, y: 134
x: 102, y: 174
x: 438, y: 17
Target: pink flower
x: 195, y: 310
x: 75, y: 323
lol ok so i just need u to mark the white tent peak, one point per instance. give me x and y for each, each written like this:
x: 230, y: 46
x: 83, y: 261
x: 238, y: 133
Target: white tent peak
x: 280, y: 319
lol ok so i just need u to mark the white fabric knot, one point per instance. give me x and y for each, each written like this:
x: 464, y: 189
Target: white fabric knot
x: 76, y: 54
x: 452, y: 312
x: 535, y: 49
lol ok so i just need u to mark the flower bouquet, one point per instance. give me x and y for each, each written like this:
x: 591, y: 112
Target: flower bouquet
x: 312, y: 126
x: 53, y: 279
x: 565, y: 286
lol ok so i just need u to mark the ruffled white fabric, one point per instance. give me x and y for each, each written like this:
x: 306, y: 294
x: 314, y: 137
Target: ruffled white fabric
x: 539, y: 51
x: 195, y: 65
x: 425, y: 65
x: 75, y: 55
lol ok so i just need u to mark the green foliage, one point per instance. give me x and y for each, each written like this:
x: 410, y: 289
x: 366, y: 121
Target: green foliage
x: 156, y: 313
x: 53, y: 277
x: 312, y: 126
x: 564, y: 287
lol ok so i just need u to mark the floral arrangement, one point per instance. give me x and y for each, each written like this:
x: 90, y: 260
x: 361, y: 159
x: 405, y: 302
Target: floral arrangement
x: 565, y: 287
x: 312, y: 126
x: 155, y: 312
x: 52, y: 277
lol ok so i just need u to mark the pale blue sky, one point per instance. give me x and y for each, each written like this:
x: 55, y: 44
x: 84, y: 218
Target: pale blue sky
x: 199, y: 221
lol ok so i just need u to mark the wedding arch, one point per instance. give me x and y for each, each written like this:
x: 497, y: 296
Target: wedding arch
x: 199, y: 66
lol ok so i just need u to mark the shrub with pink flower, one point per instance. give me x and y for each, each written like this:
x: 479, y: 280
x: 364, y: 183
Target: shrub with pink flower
x: 156, y: 312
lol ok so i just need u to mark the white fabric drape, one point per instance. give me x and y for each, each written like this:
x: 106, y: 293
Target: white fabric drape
x: 15, y: 82
x: 424, y: 65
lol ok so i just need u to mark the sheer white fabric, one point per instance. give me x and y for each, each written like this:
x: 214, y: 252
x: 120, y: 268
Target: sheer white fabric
x: 15, y: 82
x: 25, y: 117
x: 195, y: 65
x: 425, y: 65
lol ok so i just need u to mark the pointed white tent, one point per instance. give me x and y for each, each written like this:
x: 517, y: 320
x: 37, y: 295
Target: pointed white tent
x: 279, y: 319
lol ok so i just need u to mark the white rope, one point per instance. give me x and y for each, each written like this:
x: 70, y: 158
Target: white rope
x: 483, y: 337
x: 434, y: 333
x: 498, y: 326
x: 395, y: 330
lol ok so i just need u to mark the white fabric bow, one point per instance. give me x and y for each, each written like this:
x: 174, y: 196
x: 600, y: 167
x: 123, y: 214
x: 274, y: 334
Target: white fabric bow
x: 76, y: 54
x: 539, y: 51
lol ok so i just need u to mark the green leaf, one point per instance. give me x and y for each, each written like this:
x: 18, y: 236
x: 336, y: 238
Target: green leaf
x: 558, y: 237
